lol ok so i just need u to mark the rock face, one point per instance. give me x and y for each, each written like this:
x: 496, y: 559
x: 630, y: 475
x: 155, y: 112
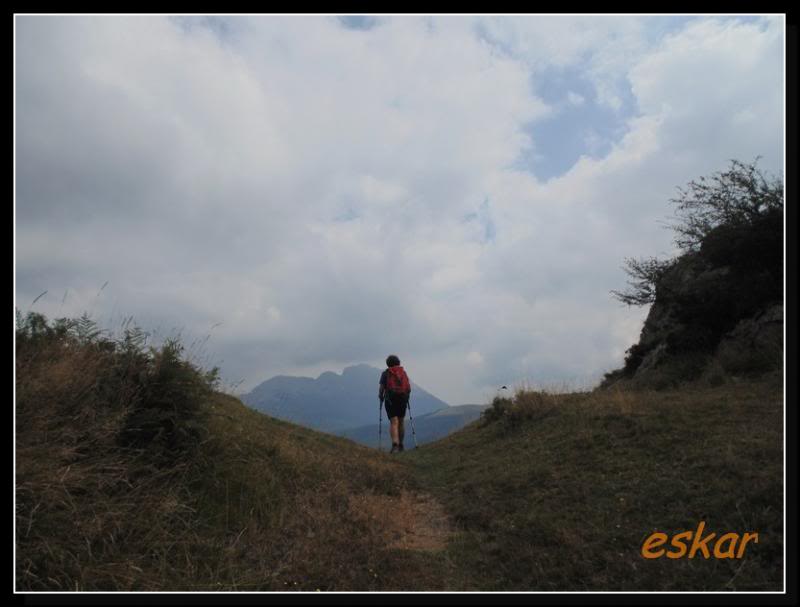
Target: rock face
x: 755, y: 344
x: 720, y: 306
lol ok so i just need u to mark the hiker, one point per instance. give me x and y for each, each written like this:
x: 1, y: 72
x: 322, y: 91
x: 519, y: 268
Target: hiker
x: 394, y: 390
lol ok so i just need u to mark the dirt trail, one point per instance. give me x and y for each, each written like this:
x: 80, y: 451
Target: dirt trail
x: 418, y: 521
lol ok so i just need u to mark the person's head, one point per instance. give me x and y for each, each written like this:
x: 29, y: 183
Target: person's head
x: 392, y: 361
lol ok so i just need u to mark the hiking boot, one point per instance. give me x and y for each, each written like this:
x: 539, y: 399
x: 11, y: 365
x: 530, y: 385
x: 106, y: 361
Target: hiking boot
x: 395, y: 449
x: 400, y: 448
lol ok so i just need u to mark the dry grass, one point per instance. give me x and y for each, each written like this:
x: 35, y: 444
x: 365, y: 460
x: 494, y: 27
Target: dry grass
x: 552, y: 491
x: 558, y: 491
x: 410, y: 521
x: 132, y: 474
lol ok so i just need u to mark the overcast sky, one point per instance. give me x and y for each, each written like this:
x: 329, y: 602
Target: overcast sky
x: 295, y: 194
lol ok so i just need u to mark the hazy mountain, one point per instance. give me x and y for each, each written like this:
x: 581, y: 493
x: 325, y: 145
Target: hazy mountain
x: 429, y: 427
x: 332, y: 402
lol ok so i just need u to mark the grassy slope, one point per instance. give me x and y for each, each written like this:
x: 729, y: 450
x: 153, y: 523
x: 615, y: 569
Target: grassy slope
x: 563, y: 500
x: 216, y: 497
x: 262, y: 505
x: 293, y: 506
x: 555, y: 493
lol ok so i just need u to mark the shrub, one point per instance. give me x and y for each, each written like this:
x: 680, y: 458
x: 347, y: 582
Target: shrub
x: 74, y: 372
x: 734, y: 218
x: 104, y: 429
x: 527, y: 405
x: 634, y: 358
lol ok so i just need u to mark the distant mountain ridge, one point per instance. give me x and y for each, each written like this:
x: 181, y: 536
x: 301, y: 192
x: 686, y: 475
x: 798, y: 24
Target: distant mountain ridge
x: 331, y: 402
x: 428, y: 427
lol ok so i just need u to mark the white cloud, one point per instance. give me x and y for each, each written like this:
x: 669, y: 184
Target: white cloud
x: 602, y: 46
x: 575, y: 99
x: 474, y: 358
x: 306, y: 185
x: 703, y: 80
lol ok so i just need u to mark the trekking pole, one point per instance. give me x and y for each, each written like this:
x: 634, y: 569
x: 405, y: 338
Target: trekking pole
x: 380, y: 420
x: 413, y: 432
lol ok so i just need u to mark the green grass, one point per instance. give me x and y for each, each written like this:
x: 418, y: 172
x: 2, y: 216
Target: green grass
x: 134, y: 473
x: 558, y: 492
x: 289, y: 496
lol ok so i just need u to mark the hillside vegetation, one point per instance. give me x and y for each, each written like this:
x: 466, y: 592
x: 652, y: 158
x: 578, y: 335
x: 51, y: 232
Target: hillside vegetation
x: 717, y: 308
x: 559, y: 491
x: 134, y: 473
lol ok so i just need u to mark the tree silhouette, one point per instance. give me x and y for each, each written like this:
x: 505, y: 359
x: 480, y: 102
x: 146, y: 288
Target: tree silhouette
x: 728, y: 202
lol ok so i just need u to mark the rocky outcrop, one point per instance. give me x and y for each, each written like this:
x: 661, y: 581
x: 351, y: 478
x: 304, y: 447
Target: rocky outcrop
x: 719, y: 306
x: 755, y: 344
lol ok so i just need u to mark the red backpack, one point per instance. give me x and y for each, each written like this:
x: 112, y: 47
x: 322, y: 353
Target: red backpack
x: 397, y: 380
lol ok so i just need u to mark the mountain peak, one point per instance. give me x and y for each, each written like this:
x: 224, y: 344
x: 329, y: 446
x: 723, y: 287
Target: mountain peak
x: 332, y: 401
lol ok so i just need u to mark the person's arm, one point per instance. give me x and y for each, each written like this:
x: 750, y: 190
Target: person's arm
x: 381, y: 384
